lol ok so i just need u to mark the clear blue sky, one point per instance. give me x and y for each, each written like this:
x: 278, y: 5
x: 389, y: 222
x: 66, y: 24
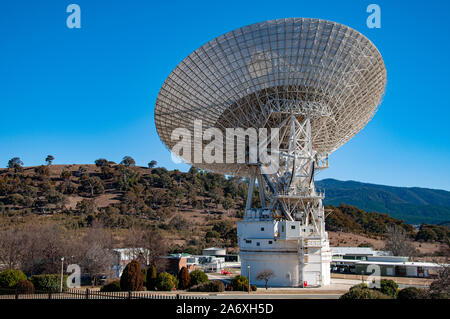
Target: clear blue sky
x: 82, y: 94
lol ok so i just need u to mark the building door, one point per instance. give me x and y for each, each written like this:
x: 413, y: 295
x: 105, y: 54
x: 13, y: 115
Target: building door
x: 400, y: 271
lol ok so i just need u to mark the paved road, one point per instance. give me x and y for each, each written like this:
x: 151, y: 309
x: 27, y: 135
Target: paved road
x: 276, y: 296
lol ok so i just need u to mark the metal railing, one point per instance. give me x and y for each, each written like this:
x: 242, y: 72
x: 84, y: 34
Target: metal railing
x: 89, y: 294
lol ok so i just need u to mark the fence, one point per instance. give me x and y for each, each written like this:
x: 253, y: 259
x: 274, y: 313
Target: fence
x: 90, y: 294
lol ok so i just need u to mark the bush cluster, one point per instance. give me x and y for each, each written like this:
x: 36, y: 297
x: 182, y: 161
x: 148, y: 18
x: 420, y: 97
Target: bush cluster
x: 25, y: 287
x: 388, y: 287
x: 111, y: 286
x: 411, y: 293
x: 388, y: 290
x: 166, y: 282
x: 10, y: 277
x: 239, y: 283
x: 48, y: 283
x: 364, y: 293
x: 198, y: 277
x: 211, y: 286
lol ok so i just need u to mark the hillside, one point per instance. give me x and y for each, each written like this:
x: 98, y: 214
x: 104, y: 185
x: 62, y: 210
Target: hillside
x: 191, y: 210
x: 414, y: 205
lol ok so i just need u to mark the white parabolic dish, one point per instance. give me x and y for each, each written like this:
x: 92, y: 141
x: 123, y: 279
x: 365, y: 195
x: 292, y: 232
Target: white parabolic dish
x: 249, y: 76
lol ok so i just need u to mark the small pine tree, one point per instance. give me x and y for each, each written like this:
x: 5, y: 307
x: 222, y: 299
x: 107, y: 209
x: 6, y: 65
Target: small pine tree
x: 151, y: 278
x: 132, y: 278
x: 184, y: 278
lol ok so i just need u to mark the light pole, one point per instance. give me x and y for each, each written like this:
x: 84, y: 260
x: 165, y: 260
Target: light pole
x: 248, y: 268
x: 62, y: 275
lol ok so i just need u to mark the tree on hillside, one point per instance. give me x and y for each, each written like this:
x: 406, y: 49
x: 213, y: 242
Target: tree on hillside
x: 49, y: 159
x: 105, y: 167
x: 127, y: 177
x: 398, y: 242
x: 217, y: 195
x: 132, y: 202
x: 93, y: 185
x: 101, y: 162
x: 128, y: 161
x: 152, y: 164
x: 227, y: 204
x: 86, y: 207
x: 180, y: 223
x: 66, y: 186
x: 81, y: 170
x: 265, y: 275
x: 42, y: 171
x: 16, y: 164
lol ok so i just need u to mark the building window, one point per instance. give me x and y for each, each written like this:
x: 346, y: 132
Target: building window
x: 270, y: 242
x: 248, y: 241
x: 293, y: 227
x: 257, y: 244
x: 262, y: 228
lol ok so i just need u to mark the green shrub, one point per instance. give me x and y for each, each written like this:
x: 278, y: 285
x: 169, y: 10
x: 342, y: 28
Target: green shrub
x: 111, y: 286
x: 10, y: 277
x: 132, y: 278
x: 210, y: 286
x: 364, y: 293
x: 24, y: 287
x: 144, y: 276
x: 360, y: 286
x: 388, y: 287
x: 198, y: 277
x: 411, y: 293
x: 166, y: 282
x: 239, y: 283
x: 48, y: 283
x: 151, y: 278
x: 217, y: 286
x: 184, y: 278
x: 253, y: 288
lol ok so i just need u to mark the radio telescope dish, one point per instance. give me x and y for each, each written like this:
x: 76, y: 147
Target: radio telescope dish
x: 251, y: 76
x: 317, y: 83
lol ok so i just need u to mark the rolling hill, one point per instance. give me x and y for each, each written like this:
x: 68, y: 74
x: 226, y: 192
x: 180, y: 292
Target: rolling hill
x: 412, y: 204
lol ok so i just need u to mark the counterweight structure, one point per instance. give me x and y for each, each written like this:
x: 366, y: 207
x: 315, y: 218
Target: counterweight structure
x: 319, y: 83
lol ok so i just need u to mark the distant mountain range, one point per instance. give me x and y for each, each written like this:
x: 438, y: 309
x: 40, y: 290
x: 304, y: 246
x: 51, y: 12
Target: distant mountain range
x: 412, y: 204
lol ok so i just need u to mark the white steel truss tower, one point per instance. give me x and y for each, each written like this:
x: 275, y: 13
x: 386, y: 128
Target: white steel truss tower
x: 286, y: 234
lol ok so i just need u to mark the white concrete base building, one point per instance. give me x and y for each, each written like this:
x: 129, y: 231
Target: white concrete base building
x: 296, y: 258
